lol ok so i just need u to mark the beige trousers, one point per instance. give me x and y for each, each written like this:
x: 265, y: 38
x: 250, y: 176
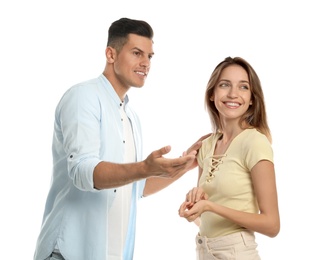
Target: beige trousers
x: 236, y: 246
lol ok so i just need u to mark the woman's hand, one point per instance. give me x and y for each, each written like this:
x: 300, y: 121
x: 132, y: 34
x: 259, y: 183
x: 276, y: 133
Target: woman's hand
x: 194, y: 204
x: 192, y: 213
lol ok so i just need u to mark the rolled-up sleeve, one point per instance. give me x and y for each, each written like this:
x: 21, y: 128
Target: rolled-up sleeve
x: 79, y: 123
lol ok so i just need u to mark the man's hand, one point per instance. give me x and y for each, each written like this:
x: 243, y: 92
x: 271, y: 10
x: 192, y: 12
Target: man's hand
x: 169, y: 170
x: 195, y: 147
x: 159, y: 166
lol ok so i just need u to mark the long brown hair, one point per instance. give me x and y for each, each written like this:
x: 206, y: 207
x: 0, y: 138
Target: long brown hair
x: 255, y: 116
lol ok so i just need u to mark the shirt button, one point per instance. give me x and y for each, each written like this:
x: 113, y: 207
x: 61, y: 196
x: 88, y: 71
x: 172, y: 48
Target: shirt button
x: 200, y: 241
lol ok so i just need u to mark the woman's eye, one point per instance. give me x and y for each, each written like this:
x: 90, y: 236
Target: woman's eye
x: 223, y: 85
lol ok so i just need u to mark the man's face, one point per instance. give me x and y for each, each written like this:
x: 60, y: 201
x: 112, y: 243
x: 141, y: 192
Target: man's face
x: 132, y: 64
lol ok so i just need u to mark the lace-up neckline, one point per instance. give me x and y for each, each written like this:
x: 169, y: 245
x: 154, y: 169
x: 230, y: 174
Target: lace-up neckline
x: 216, y: 160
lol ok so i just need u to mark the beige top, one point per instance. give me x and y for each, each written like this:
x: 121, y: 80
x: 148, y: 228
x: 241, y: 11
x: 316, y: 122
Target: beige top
x: 227, y: 179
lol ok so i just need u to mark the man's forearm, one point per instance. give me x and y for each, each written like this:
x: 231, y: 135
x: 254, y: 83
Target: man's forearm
x: 110, y: 175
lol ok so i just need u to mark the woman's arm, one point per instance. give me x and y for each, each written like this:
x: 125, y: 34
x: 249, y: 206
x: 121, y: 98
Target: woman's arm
x: 266, y: 222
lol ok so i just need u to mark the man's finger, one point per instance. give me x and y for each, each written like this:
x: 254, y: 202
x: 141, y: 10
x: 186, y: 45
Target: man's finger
x: 160, y: 152
x: 182, y: 161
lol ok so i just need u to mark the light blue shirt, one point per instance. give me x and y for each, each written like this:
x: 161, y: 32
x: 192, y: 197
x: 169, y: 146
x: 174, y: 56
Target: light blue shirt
x: 87, y: 130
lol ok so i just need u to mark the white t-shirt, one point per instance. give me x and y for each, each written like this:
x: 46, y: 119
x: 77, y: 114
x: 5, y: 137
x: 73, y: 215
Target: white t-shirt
x: 120, y: 211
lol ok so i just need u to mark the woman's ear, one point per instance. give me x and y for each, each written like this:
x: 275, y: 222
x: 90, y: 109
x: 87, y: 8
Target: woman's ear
x: 211, y: 98
x: 251, y: 103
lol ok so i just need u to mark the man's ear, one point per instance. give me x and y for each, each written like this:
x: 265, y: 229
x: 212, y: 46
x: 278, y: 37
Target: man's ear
x: 110, y: 54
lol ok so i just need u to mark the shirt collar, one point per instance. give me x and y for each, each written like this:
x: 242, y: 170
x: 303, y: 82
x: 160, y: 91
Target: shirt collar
x: 111, y: 91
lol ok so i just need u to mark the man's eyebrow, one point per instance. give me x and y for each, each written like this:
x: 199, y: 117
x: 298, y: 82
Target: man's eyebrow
x: 138, y: 49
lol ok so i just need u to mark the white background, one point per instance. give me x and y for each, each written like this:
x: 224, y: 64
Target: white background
x: 48, y: 46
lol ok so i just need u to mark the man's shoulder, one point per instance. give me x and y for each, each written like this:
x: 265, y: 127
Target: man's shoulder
x: 88, y: 83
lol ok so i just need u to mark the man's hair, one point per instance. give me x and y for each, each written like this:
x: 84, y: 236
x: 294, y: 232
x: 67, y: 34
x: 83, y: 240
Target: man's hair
x: 119, y: 31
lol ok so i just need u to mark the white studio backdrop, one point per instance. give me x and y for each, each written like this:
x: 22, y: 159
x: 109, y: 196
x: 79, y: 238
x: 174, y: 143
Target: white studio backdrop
x: 48, y: 46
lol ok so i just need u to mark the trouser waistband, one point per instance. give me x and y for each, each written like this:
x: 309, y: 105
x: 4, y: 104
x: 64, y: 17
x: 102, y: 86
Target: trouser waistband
x: 226, y: 240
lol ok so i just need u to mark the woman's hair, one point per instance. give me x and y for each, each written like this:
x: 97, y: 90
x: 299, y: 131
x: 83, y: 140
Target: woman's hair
x: 119, y: 31
x: 255, y: 116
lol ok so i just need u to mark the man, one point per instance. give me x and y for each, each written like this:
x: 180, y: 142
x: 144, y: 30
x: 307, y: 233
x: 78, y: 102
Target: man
x: 98, y: 172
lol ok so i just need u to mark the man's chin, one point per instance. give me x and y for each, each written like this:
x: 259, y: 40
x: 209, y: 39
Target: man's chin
x: 139, y: 85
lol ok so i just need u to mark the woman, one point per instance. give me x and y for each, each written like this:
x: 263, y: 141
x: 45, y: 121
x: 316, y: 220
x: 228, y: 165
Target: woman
x: 236, y: 194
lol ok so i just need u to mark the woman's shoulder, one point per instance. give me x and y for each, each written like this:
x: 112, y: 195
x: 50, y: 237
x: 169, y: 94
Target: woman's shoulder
x: 255, y: 134
x: 210, y: 139
x: 253, y: 138
x: 209, y: 142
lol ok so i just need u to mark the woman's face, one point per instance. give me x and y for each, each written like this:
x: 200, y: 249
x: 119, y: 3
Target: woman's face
x: 232, y: 94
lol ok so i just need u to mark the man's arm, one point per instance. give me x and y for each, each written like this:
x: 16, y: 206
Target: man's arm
x: 110, y: 175
x: 155, y: 184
